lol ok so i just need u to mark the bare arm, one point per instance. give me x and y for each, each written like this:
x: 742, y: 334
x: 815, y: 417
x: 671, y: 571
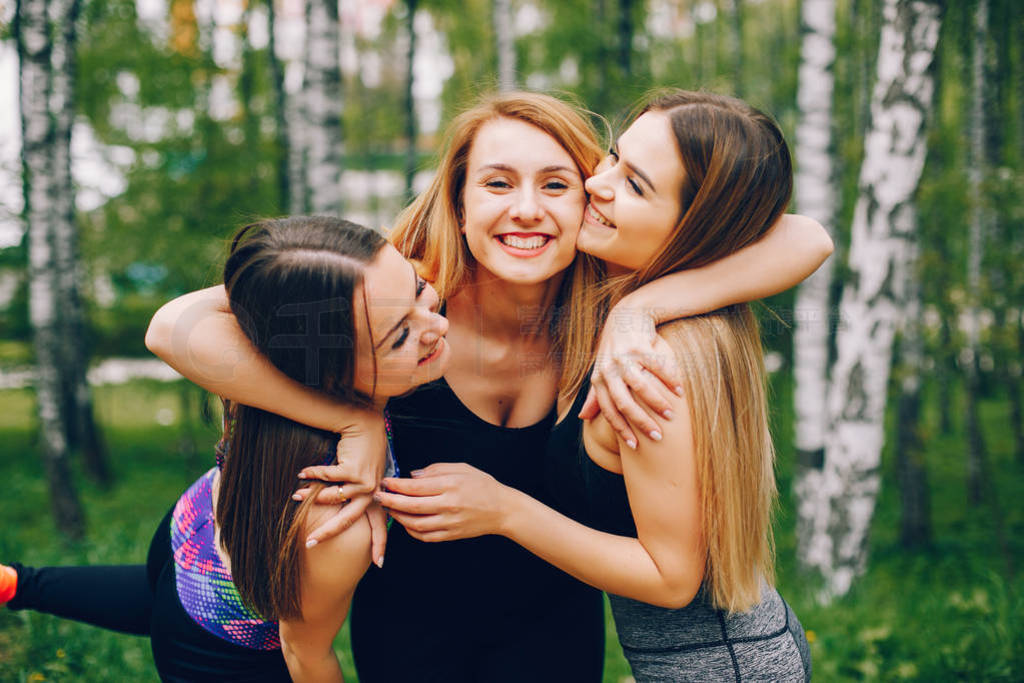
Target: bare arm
x: 330, y: 574
x: 632, y: 358
x: 198, y: 335
x: 664, y: 565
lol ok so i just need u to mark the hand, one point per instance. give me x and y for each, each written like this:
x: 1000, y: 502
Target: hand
x: 632, y: 360
x: 360, y: 465
x: 445, y: 501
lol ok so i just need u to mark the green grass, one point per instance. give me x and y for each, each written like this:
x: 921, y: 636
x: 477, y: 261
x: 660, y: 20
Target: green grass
x: 952, y: 612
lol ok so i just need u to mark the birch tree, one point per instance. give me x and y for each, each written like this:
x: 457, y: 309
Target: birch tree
x: 976, y: 229
x: 504, y: 42
x: 816, y: 197
x: 881, y: 245
x: 45, y: 180
x: 321, y: 110
x: 281, y: 133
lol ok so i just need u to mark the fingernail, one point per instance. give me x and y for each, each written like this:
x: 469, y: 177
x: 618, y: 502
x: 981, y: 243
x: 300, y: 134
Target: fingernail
x: 379, y: 562
x: 311, y: 542
x: 631, y: 443
x: 296, y: 496
x: 679, y: 390
x: 416, y: 473
x: 655, y: 435
x: 667, y: 414
x: 302, y: 475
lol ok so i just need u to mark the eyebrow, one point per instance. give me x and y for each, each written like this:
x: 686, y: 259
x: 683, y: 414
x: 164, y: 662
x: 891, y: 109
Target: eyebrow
x: 546, y: 169
x: 633, y: 168
x: 399, y: 323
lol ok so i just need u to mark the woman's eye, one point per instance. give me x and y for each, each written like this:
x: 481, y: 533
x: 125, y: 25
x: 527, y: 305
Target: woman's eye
x: 401, y: 338
x: 500, y: 184
x: 421, y: 284
x: 635, y: 186
x: 556, y: 185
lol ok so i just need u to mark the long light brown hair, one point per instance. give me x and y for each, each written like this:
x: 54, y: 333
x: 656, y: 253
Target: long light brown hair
x: 429, y: 230
x: 737, y: 182
x: 290, y: 283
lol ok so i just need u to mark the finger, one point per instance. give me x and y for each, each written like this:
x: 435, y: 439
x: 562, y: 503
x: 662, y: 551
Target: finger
x: 301, y: 494
x: 663, y: 363
x: 325, y: 473
x: 339, y: 522
x: 646, y: 387
x: 378, y: 534
x: 416, y: 505
x: 421, y: 486
x: 611, y: 413
x: 591, y: 408
x: 419, y: 524
x: 630, y: 410
x: 438, y: 469
x: 333, y: 495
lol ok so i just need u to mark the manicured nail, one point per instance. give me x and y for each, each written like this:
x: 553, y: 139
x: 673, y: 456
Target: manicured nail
x: 416, y: 473
x: 655, y: 435
x: 679, y: 390
x: 302, y: 475
x: 667, y: 414
x: 311, y: 542
x: 296, y: 496
x: 631, y: 443
x: 379, y: 562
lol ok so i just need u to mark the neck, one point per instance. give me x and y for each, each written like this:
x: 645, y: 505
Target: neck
x: 505, y: 310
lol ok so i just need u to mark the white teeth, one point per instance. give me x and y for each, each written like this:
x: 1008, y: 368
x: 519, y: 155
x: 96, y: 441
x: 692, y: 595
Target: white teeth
x: 598, y: 217
x: 517, y: 242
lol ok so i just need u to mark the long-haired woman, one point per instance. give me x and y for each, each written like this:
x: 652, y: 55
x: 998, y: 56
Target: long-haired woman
x: 230, y: 592
x: 496, y: 234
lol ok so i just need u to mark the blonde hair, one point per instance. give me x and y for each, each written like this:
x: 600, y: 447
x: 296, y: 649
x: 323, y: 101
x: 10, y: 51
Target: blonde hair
x: 429, y: 230
x: 721, y: 357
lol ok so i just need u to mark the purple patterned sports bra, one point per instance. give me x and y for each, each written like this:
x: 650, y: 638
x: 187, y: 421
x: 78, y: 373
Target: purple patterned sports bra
x: 204, y: 584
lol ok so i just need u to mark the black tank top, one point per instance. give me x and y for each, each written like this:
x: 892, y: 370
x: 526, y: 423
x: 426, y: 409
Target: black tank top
x: 488, y: 585
x: 579, y: 488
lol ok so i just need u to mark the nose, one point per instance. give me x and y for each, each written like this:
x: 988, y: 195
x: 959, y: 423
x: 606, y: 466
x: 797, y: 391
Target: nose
x: 525, y: 207
x: 598, y: 185
x: 436, y: 327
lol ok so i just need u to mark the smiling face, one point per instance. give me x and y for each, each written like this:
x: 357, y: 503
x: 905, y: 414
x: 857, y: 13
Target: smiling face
x: 522, y: 203
x: 634, y: 195
x: 405, y: 340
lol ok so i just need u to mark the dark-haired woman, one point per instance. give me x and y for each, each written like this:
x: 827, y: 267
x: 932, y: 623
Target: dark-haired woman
x: 677, y: 530
x: 230, y: 591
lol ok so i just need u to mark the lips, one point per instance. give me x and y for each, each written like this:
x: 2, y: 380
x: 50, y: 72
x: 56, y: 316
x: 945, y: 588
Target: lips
x: 596, y: 216
x: 524, y: 240
x: 434, y: 353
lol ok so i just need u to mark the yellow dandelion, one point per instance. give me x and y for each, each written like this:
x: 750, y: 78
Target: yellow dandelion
x: 61, y: 654
x: 811, y: 636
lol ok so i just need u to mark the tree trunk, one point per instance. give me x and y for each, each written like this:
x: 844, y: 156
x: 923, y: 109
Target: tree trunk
x: 911, y: 467
x: 42, y: 180
x: 1016, y: 423
x: 322, y: 110
x: 625, y: 41
x: 504, y: 41
x: 882, y: 236
x: 281, y: 136
x: 977, y: 227
x: 410, y: 101
x: 816, y: 197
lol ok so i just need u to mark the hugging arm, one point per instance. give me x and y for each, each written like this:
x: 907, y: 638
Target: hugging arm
x: 632, y: 359
x: 198, y: 335
x: 663, y: 566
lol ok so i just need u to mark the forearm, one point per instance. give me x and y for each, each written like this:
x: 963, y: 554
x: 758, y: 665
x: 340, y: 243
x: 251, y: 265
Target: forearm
x: 787, y: 254
x: 197, y: 335
x: 615, y: 564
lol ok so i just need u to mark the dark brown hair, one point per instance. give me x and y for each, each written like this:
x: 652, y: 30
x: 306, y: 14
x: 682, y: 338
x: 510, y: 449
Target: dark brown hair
x: 290, y: 283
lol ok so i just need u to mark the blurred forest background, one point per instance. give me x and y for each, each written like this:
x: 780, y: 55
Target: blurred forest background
x: 136, y: 135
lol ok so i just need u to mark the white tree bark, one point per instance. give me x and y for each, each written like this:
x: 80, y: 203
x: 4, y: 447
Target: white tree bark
x: 43, y: 202
x: 504, y: 40
x: 816, y: 196
x: 881, y: 244
x: 322, y: 107
x: 976, y: 229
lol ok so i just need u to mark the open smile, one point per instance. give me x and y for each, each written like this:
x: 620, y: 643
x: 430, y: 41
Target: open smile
x: 595, y: 217
x: 524, y: 244
x: 435, y: 352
